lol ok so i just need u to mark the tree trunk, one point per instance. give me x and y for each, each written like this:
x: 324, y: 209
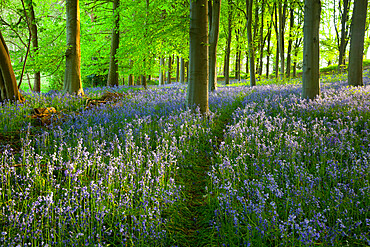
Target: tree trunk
x: 343, y: 35
x: 182, y: 70
x: 130, y: 80
x: 252, y: 75
x: 356, y: 53
x: 177, y: 68
x: 113, y: 63
x: 261, y: 42
x: 143, y: 81
x: 161, y: 71
x: 8, y: 83
x: 35, y: 44
x: 187, y: 71
x: 311, y: 49
x: 237, y: 58
x: 268, y: 51
x: 72, y: 78
x: 282, y: 13
x: 277, y: 42
x: 213, y: 41
x: 290, y: 41
x: 247, y: 63
x: 197, y: 92
x: 169, y: 70
x: 228, y: 43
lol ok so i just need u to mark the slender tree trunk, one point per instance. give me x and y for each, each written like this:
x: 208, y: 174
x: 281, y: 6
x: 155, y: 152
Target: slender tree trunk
x: 35, y: 43
x: 213, y: 41
x: 182, y: 70
x: 169, y: 70
x: 268, y: 51
x: 72, y: 78
x: 356, y: 52
x: 130, y: 80
x: 261, y: 42
x: 187, y: 71
x: 228, y: 43
x: 237, y: 57
x: 311, y: 50
x: 177, y: 68
x: 161, y: 71
x: 113, y: 64
x: 255, y: 35
x: 252, y: 75
x: 8, y: 83
x: 247, y: 62
x: 277, y: 42
x: 282, y: 14
x: 197, y: 93
x: 343, y: 34
x: 143, y: 81
x: 290, y: 41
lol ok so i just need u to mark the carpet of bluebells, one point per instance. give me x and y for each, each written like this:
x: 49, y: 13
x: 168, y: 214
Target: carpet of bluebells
x: 285, y: 172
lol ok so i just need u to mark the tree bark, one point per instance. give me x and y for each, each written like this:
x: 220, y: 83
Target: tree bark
x: 213, y: 41
x: 35, y: 44
x: 282, y: 13
x: 290, y: 41
x: 72, y: 78
x: 169, y: 70
x: 277, y: 42
x: 161, y: 71
x: 130, y: 80
x: 177, y: 68
x: 237, y: 57
x: 197, y: 91
x: 311, y: 50
x: 228, y: 44
x: 268, y: 51
x: 252, y: 73
x: 356, y: 52
x: 182, y: 70
x: 343, y: 35
x: 8, y: 83
x: 113, y: 63
x: 143, y: 81
x: 262, y: 40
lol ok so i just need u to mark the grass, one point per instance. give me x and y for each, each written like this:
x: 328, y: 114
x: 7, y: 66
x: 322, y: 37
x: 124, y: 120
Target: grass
x: 264, y: 168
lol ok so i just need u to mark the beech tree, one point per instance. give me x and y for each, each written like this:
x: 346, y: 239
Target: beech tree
x: 356, y: 51
x: 72, y: 77
x: 113, y: 63
x: 8, y: 84
x: 197, y: 91
x: 228, y: 41
x: 35, y: 42
x: 311, y: 49
x: 342, y: 39
x: 213, y: 41
x: 252, y: 73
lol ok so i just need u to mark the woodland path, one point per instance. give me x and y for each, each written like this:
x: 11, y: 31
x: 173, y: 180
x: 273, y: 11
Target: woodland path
x: 191, y: 222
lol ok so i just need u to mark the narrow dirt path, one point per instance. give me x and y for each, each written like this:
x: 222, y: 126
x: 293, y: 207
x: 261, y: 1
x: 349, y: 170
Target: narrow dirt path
x: 191, y: 222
